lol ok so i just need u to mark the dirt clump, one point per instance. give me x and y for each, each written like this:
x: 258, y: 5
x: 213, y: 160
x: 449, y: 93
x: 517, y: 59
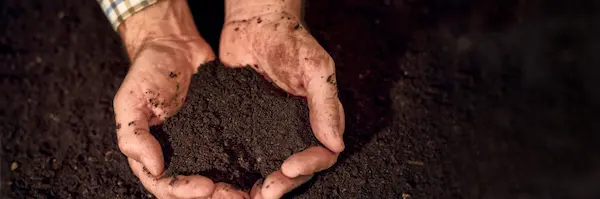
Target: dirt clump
x: 235, y: 127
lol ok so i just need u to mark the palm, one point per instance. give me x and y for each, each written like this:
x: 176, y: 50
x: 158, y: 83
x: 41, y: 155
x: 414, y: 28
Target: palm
x: 156, y: 84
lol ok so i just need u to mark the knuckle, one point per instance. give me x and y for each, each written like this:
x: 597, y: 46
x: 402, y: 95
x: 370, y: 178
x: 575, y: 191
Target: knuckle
x: 124, y: 145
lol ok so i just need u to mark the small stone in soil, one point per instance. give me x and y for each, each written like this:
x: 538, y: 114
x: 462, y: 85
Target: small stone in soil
x: 14, y: 166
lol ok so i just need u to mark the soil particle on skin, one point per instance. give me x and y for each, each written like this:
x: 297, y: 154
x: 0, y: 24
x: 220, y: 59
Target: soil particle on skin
x: 236, y: 127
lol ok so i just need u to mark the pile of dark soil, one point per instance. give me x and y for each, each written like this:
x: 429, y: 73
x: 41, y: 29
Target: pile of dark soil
x: 235, y: 127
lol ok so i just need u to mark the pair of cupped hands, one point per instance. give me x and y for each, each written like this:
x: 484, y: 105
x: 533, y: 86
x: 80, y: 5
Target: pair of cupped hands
x: 165, y: 49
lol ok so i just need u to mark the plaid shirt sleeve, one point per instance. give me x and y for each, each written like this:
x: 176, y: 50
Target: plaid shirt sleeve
x: 118, y: 10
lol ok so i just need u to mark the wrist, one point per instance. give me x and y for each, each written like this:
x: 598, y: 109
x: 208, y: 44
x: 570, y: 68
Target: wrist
x: 239, y: 10
x: 167, y: 20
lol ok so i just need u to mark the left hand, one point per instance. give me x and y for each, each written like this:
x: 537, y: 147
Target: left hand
x: 268, y: 36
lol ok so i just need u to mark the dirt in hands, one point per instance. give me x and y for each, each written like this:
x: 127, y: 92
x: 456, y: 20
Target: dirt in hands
x: 443, y: 99
x: 235, y: 127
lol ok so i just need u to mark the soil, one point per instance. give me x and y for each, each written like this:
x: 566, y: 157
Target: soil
x: 235, y: 127
x: 443, y: 99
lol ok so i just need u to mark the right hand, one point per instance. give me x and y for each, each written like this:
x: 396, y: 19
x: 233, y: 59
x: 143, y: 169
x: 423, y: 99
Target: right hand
x: 268, y: 35
x: 165, y: 48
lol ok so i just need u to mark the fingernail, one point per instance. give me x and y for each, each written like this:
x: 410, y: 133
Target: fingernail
x: 259, y: 183
x: 340, y: 138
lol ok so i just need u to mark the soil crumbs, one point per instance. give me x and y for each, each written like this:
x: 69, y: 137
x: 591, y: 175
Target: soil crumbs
x: 443, y: 99
x: 235, y: 127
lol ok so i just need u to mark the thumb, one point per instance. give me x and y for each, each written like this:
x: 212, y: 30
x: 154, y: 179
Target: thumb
x: 173, y: 187
x: 277, y: 184
x: 326, y: 111
x: 133, y: 134
x: 227, y: 191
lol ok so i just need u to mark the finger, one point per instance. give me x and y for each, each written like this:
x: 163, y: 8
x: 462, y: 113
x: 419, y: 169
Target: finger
x: 226, y: 191
x: 159, y: 187
x: 192, y: 187
x: 326, y: 111
x: 277, y: 184
x: 179, y: 187
x: 255, y: 191
x: 309, y: 161
x: 148, y: 180
x: 134, y: 138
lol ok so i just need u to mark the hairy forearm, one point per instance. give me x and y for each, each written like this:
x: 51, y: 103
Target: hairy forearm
x: 167, y: 19
x: 236, y: 10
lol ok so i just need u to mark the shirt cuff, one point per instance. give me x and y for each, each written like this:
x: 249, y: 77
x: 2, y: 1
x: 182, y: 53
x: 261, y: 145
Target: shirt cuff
x: 118, y: 10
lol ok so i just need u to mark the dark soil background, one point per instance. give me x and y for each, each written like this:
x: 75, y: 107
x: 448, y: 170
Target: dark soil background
x: 443, y: 99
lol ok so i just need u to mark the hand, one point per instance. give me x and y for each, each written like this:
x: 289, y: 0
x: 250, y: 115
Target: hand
x: 268, y: 36
x: 165, y: 49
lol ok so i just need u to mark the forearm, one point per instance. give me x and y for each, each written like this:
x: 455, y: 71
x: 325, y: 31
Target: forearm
x: 164, y: 20
x: 237, y: 10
